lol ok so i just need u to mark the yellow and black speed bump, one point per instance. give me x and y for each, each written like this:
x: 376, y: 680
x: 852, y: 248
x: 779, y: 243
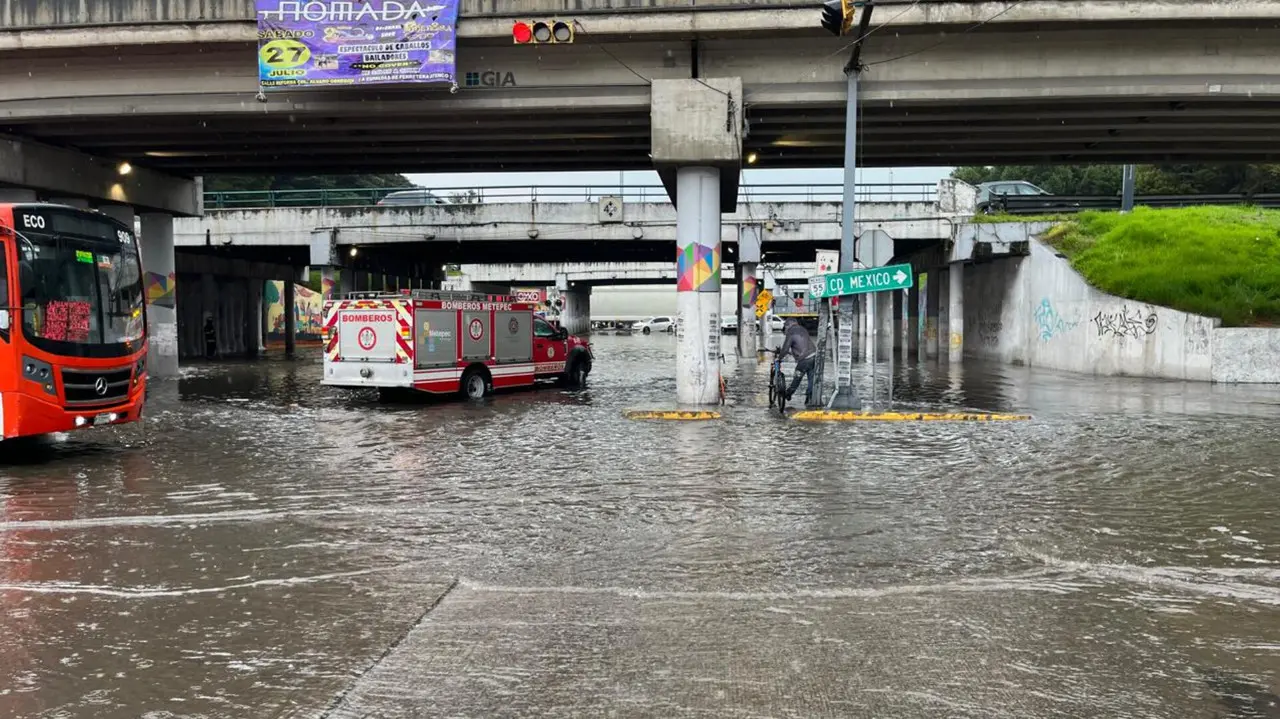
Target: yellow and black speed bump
x: 672, y: 414
x: 827, y: 415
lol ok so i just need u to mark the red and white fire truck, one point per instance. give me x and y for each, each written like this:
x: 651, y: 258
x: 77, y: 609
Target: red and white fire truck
x: 444, y: 342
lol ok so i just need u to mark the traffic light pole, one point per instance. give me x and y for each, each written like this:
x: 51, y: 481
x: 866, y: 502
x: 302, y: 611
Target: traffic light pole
x: 845, y: 396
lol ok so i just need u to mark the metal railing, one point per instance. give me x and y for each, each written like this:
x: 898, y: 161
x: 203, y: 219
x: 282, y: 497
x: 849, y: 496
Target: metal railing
x: 1067, y: 204
x: 366, y: 197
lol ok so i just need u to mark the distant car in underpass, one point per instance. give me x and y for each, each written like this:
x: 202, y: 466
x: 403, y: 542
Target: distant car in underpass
x: 650, y: 325
x: 412, y: 198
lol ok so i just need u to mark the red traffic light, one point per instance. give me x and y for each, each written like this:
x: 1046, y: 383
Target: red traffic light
x: 521, y: 33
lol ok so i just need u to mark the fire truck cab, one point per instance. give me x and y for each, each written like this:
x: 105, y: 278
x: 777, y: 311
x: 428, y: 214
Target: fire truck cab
x: 446, y: 342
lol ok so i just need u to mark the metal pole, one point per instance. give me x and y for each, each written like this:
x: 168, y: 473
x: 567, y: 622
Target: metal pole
x: 1128, y: 179
x: 845, y: 397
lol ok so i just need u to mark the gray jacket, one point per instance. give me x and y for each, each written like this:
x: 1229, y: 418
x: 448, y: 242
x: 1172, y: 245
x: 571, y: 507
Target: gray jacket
x: 797, y: 342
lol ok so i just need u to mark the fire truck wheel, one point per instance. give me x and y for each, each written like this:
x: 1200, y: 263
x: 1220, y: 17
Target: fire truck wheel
x: 475, y: 383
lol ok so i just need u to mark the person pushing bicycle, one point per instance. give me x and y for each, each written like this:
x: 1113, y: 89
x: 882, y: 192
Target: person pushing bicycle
x: 797, y: 342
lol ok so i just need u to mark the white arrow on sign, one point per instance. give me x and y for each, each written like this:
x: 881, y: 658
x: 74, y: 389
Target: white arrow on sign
x: 900, y: 276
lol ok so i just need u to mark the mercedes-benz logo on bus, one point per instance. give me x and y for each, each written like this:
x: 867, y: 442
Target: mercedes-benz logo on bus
x: 100, y: 386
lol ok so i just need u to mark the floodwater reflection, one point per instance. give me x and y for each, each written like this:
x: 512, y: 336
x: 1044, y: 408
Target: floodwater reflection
x: 263, y: 542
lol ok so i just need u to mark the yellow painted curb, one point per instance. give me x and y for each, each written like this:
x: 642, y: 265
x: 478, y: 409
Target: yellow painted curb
x: 822, y: 415
x: 675, y: 414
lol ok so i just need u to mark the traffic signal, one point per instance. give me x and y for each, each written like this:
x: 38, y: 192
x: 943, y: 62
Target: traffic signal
x: 837, y: 15
x: 541, y: 32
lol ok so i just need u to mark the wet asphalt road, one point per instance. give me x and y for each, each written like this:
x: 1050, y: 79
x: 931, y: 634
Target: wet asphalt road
x: 266, y: 547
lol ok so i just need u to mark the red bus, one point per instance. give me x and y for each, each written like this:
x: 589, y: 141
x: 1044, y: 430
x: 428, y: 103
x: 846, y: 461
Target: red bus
x: 73, y: 329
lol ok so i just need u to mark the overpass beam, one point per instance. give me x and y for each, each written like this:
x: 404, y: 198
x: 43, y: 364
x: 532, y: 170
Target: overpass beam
x: 162, y: 297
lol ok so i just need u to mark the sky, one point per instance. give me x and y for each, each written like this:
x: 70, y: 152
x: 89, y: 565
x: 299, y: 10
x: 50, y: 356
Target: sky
x: 828, y: 176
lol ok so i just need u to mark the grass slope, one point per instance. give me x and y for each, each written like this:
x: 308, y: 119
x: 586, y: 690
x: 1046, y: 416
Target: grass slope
x: 1215, y: 261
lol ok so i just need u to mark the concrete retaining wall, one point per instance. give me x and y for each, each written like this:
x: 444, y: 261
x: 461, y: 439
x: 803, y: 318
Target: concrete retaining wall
x: 1038, y: 311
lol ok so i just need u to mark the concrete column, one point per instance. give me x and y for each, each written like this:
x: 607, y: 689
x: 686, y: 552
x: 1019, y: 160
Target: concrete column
x: 915, y: 307
x: 944, y: 308
x: 864, y: 326
x: 698, y: 285
x: 748, y: 326
x: 256, y: 319
x: 576, y: 315
x: 290, y: 321
x: 330, y: 282
x: 160, y: 282
x: 899, y: 322
x: 884, y: 324
x: 955, y: 313
x: 932, y: 292
x: 262, y: 317
x: 15, y: 195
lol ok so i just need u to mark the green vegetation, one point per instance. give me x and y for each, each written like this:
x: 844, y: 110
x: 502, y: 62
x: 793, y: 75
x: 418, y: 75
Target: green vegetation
x: 1150, y: 179
x: 241, y: 183
x: 1215, y: 261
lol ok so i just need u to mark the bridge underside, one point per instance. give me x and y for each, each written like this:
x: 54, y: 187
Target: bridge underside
x: 406, y: 136
x: 1155, y: 93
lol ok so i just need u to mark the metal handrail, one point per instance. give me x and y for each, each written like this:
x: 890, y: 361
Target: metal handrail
x: 369, y: 196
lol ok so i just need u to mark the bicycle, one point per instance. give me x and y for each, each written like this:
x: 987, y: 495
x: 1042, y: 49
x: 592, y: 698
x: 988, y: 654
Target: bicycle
x: 777, y: 383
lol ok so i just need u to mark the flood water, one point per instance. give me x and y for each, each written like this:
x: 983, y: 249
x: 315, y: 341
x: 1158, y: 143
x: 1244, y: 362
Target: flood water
x: 266, y: 547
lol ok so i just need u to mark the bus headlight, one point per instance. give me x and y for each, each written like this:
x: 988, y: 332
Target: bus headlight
x: 40, y: 372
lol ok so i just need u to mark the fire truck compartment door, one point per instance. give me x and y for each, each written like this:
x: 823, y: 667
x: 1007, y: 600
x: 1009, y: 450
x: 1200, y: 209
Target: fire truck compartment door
x: 368, y: 334
x: 475, y: 335
x: 513, y: 333
x: 435, y: 340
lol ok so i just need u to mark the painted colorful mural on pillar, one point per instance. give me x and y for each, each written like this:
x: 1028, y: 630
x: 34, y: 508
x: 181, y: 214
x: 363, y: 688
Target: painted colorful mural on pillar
x: 698, y: 267
x: 161, y: 289
x: 327, y: 287
x: 750, y: 290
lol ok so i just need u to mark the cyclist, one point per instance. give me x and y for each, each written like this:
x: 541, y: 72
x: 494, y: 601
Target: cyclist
x: 799, y: 344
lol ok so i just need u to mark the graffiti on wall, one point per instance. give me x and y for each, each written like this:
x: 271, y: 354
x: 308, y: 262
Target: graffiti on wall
x: 1049, y: 322
x: 989, y: 333
x: 1198, y: 339
x: 308, y: 306
x: 1125, y: 323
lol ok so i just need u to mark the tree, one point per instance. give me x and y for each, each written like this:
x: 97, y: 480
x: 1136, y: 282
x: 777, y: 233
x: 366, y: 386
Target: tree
x: 237, y: 183
x: 470, y: 197
x: 1151, y: 179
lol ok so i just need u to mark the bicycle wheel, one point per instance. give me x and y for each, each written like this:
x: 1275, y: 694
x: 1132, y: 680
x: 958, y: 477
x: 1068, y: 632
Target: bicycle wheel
x: 780, y: 389
x: 773, y: 387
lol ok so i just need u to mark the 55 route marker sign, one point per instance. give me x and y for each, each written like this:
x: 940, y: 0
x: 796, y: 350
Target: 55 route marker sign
x: 859, y: 282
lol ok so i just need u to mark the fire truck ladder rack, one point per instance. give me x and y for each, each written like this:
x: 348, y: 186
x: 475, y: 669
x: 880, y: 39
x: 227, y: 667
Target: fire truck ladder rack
x: 435, y: 295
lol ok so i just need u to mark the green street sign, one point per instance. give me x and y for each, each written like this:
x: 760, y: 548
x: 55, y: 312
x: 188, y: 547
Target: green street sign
x: 859, y: 282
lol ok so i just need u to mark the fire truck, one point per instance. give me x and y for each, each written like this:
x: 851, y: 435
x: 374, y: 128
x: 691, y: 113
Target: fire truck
x: 73, y: 323
x: 446, y: 342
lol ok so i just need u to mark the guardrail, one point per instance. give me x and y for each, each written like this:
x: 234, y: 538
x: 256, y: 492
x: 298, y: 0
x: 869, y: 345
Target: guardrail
x: 369, y: 196
x: 1066, y: 204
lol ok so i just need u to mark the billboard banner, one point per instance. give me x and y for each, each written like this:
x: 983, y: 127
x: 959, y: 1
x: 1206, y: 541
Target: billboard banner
x: 337, y: 43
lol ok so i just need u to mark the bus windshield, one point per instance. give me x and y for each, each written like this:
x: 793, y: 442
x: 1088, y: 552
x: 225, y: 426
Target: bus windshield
x: 81, y: 297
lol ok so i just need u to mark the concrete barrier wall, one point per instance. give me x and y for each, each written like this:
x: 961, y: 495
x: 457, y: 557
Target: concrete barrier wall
x: 1038, y: 311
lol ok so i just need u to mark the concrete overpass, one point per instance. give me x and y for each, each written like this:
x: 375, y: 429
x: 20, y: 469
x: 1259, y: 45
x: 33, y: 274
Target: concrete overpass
x: 388, y: 239
x: 173, y: 85
x: 610, y: 274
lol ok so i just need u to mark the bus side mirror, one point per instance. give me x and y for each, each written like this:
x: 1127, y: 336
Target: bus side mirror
x: 4, y: 320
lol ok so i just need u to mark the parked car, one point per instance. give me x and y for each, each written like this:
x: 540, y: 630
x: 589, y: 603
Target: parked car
x: 989, y: 194
x: 413, y: 197
x: 650, y: 325
x: 729, y: 324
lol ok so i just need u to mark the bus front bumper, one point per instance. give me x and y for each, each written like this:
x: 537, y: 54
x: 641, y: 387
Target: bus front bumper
x: 28, y: 414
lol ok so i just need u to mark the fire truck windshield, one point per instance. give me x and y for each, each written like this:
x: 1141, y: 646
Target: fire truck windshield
x: 81, y: 297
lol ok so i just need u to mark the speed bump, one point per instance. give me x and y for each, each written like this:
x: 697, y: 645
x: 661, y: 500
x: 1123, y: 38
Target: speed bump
x: 826, y: 415
x: 672, y: 414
